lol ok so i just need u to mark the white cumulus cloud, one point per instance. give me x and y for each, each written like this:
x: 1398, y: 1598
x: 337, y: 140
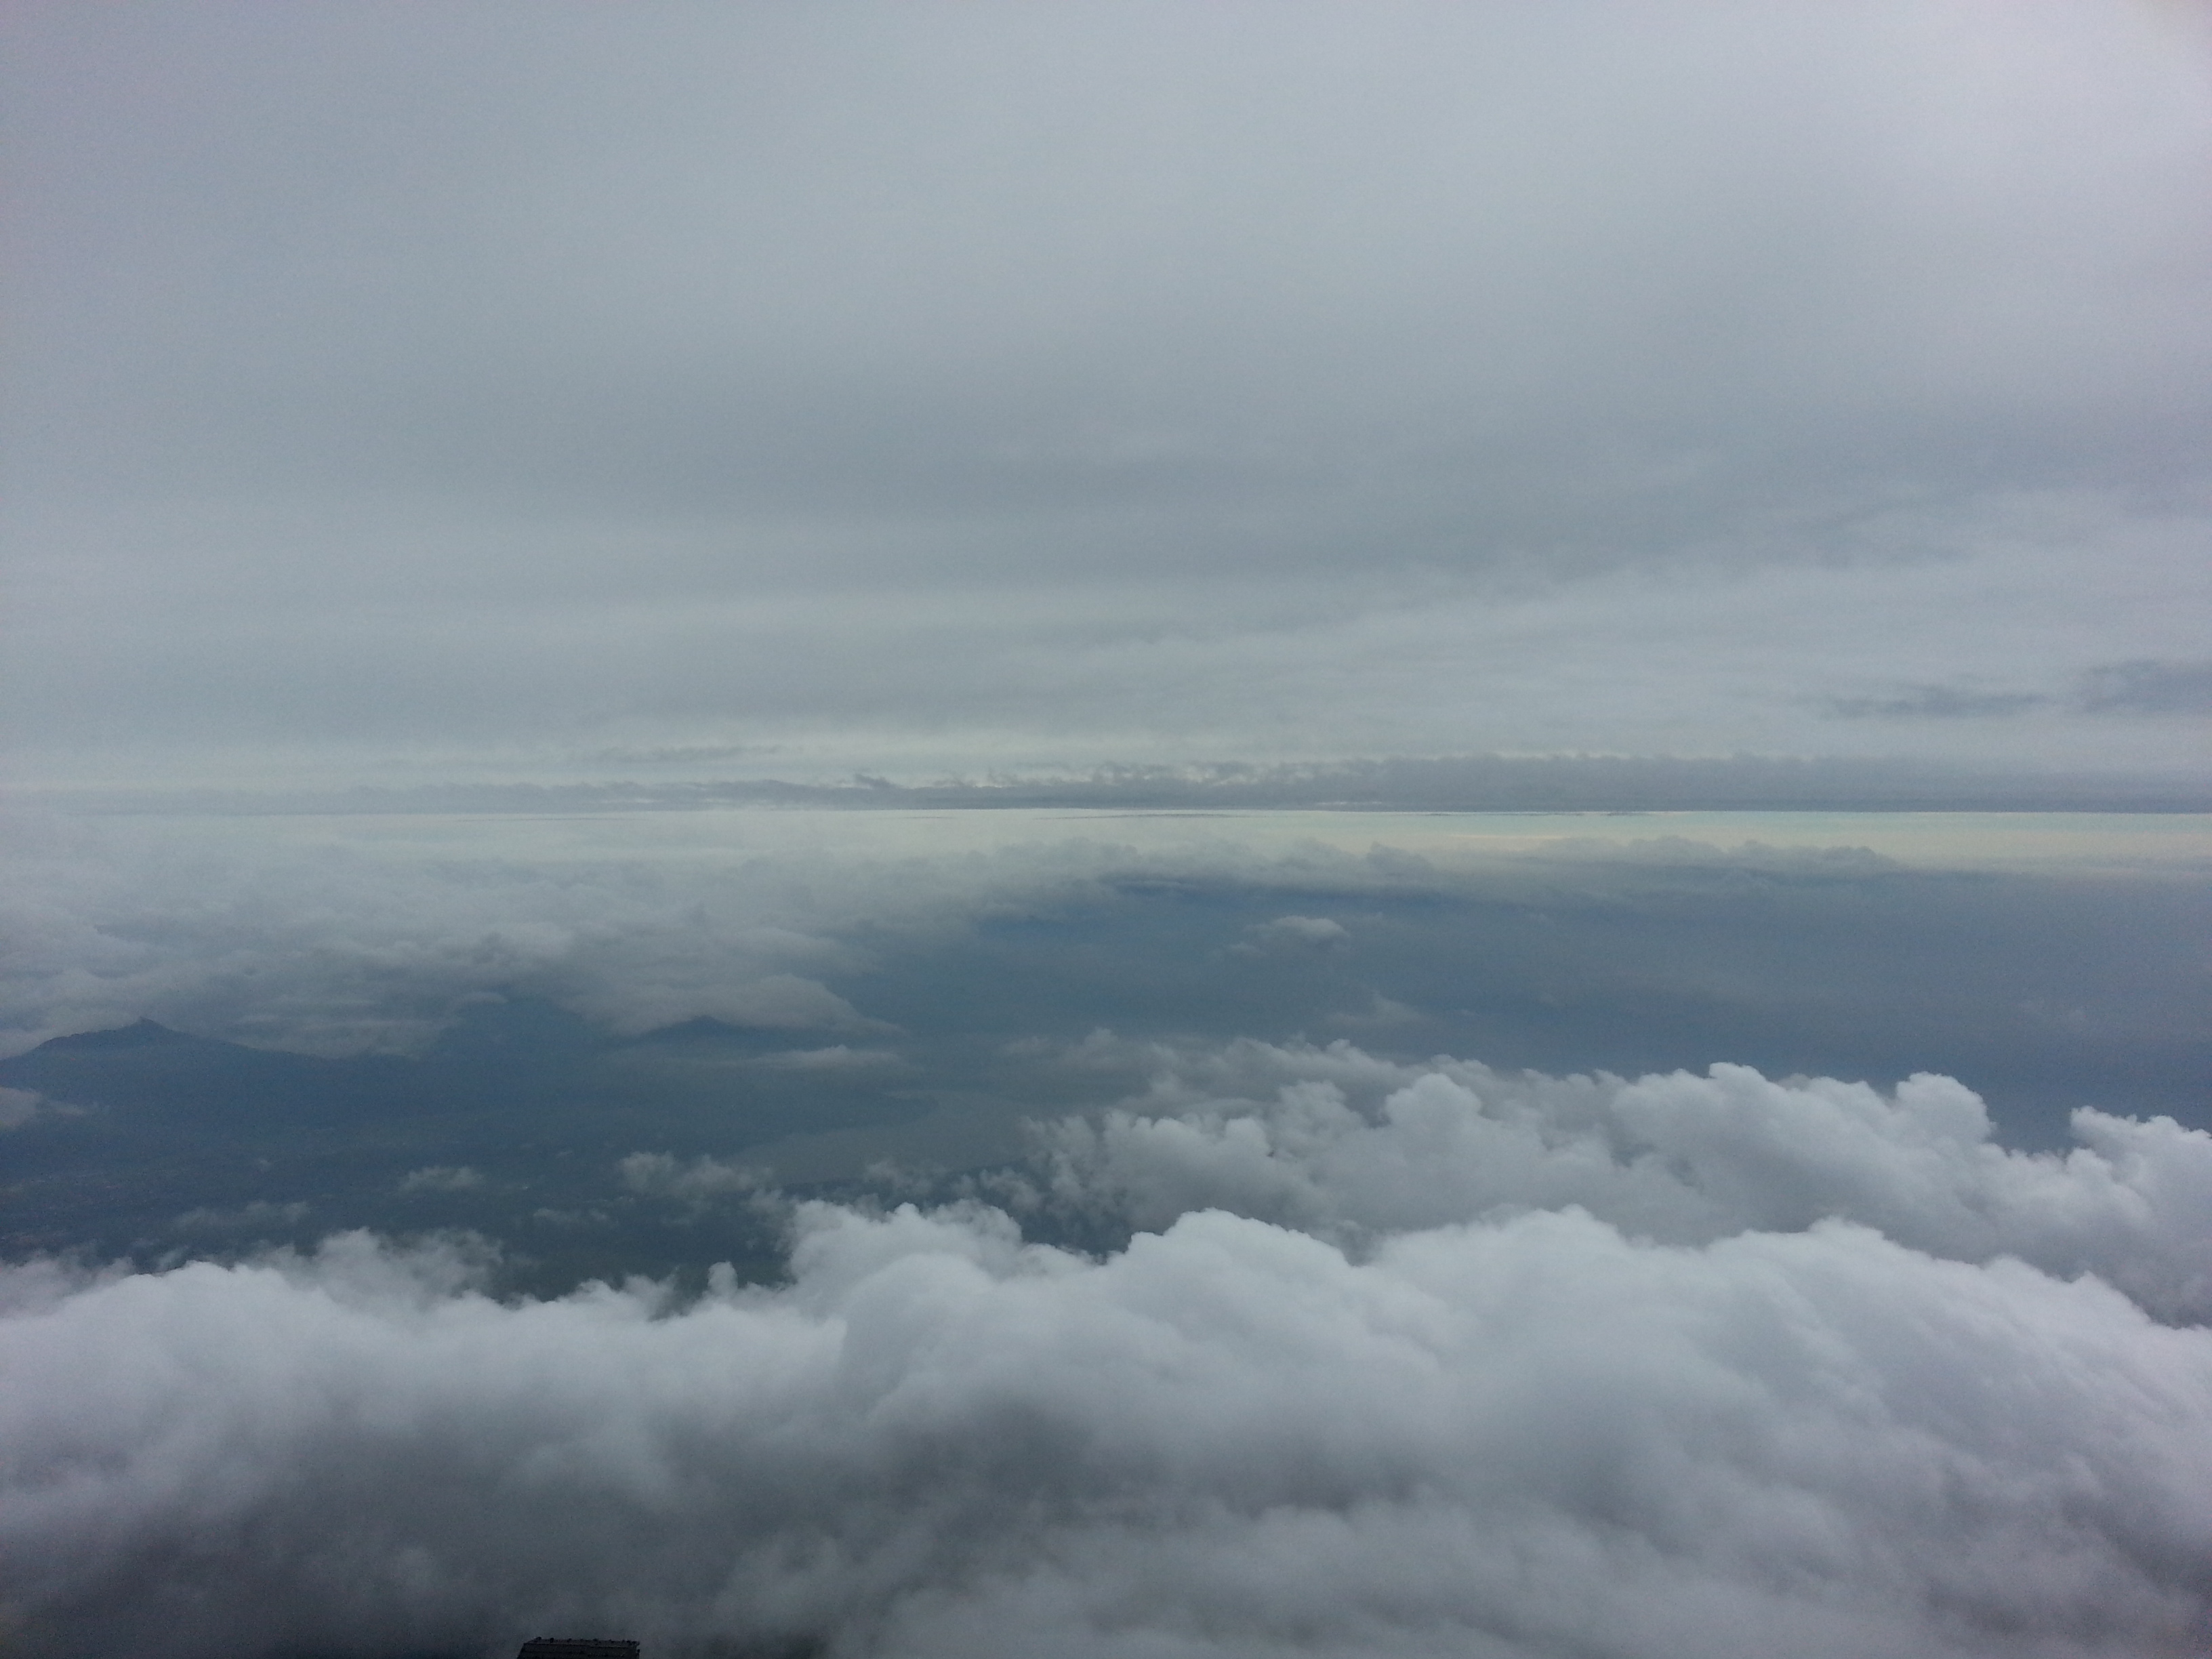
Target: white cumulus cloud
x: 1337, y: 1142
x: 1520, y: 1366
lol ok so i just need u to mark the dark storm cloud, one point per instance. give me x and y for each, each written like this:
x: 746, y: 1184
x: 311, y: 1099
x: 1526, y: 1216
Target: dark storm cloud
x: 1090, y: 383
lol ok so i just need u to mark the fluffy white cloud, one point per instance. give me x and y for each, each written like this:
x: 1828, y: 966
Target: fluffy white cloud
x: 1337, y: 1142
x: 699, y: 1181
x: 1509, y: 1427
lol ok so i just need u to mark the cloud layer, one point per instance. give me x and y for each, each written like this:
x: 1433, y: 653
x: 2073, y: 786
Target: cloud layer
x: 1813, y: 1408
x: 1336, y: 1142
x: 336, y: 949
x: 428, y: 393
x: 484, y: 398
x: 2072, y: 976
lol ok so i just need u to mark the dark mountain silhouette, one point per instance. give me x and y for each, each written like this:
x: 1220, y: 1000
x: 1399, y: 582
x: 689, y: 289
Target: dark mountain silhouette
x: 161, y: 1139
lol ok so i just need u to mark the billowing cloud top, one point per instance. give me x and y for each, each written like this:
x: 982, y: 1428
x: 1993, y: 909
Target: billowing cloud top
x: 1713, y: 1364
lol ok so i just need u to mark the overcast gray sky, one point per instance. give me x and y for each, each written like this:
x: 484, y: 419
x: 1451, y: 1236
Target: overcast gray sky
x: 481, y: 397
x: 421, y: 392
